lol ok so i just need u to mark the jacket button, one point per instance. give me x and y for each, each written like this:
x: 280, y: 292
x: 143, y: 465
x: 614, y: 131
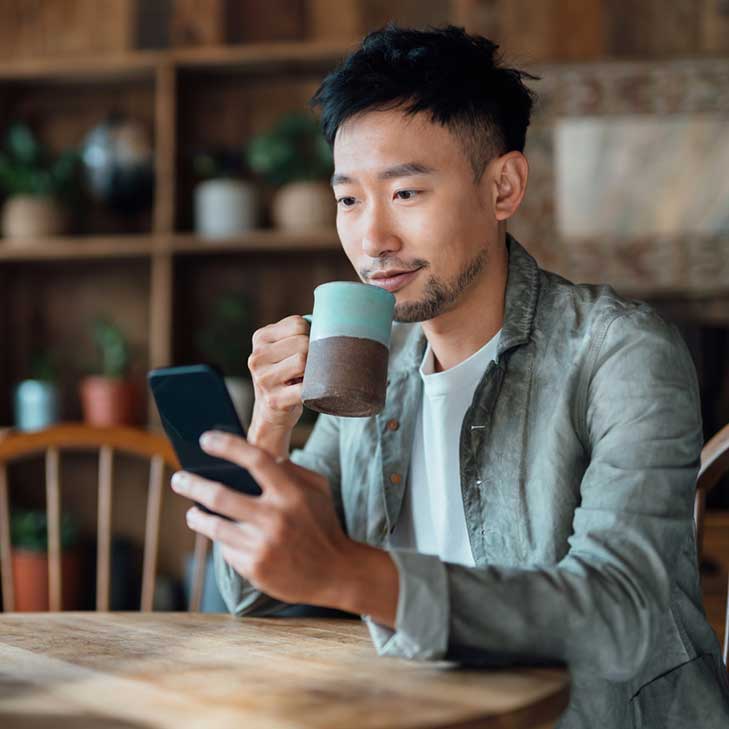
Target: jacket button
x: 395, y: 478
x: 393, y: 424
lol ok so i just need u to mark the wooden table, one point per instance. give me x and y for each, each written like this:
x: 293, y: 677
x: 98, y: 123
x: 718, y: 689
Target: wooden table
x: 134, y: 670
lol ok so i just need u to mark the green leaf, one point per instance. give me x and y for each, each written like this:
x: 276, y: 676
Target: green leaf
x: 294, y: 149
x: 29, y: 530
x: 26, y: 168
x: 22, y: 144
x: 226, y: 339
x: 112, y: 347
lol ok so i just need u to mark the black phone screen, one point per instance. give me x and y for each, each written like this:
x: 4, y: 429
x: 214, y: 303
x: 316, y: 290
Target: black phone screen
x: 191, y: 400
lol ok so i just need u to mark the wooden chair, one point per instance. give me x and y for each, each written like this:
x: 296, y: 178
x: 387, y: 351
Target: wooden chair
x: 714, y: 464
x: 140, y: 443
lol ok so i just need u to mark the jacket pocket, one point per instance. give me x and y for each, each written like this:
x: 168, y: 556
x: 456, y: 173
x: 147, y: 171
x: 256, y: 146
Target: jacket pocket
x: 693, y: 694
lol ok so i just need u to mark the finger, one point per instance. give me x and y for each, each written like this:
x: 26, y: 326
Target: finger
x: 240, y: 560
x: 278, y: 374
x: 287, y: 327
x: 285, y: 397
x: 275, y: 352
x: 267, y: 471
x: 251, y: 531
x: 219, y: 530
x: 259, y: 463
x: 217, y: 497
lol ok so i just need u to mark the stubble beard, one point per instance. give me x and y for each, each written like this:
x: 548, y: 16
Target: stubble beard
x: 439, y: 296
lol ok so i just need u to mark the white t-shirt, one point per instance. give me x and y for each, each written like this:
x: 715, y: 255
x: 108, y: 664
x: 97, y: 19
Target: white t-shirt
x: 432, y: 520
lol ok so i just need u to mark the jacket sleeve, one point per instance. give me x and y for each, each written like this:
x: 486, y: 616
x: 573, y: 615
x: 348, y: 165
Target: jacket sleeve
x: 320, y: 454
x: 597, y: 607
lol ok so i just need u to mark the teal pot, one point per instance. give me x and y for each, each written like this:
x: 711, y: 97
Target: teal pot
x: 36, y: 405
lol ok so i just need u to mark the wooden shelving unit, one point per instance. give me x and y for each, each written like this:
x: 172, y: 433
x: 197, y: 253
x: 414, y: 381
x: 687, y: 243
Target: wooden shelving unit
x: 155, y: 278
x: 179, y: 94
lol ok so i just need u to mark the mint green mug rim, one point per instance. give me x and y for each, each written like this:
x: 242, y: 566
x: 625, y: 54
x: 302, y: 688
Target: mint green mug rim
x: 310, y: 317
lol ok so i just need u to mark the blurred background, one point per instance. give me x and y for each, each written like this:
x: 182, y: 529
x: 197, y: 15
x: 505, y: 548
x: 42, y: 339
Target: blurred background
x: 164, y: 193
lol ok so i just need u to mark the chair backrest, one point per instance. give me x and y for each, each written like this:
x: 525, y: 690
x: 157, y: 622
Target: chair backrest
x: 107, y: 441
x: 714, y: 464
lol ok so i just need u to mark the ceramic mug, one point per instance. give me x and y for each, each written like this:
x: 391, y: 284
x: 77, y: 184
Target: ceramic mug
x: 349, y: 349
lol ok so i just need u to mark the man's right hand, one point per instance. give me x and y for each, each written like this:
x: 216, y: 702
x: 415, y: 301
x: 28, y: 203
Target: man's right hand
x: 277, y: 366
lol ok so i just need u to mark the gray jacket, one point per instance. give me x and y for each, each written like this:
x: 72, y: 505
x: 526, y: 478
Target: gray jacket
x: 579, y: 455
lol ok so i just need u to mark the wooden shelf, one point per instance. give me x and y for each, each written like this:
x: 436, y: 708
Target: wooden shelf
x: 52, y: 249
x: 253, y: 56
x: 121, y: 66
x: 257, y: 56
x: 258, y: 240
x: 140, y: 246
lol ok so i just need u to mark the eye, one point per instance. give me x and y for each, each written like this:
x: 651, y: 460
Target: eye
x: 407, y: 194
x: 346, y: 202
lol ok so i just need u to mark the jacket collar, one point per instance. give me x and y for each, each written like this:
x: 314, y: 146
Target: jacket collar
x: 522, y: 291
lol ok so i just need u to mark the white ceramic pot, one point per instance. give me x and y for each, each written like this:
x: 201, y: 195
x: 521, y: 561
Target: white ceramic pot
x: 225, y: 207
x: 242, y: 394
x: 36, y: 405
x: 301, y: 206
x: 25, y: 217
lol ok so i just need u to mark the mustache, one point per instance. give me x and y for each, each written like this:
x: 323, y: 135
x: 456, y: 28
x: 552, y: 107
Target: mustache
x: 387, y: 263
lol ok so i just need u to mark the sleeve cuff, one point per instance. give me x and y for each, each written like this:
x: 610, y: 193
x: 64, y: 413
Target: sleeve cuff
x: 421, y: 622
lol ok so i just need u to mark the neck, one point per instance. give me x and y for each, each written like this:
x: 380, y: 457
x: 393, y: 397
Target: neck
x: 477, y: 316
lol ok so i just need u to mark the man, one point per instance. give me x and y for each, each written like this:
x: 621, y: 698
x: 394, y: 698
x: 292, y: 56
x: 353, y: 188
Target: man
x: 527, y: 492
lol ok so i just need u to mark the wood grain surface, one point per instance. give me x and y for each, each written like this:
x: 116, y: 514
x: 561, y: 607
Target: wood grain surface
x: 210, y: 670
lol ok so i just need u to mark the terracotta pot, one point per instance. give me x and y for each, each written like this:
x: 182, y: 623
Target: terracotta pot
x: 30, y: 580
x: 106, y: 401
x: 304, y: 206
x: 27, y: 217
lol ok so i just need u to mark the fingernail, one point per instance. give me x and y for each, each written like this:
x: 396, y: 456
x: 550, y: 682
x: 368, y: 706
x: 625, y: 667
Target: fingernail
x: 191, y: 516
x: 209, y: 440
x: 178, y: 479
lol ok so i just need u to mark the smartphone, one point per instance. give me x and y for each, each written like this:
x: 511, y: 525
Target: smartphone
x: 191, y: 400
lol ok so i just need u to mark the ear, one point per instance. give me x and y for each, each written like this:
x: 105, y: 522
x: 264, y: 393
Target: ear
x: 510, y: 173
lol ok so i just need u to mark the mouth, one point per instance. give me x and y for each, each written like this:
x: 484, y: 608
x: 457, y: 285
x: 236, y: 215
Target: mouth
x: 393, y: 280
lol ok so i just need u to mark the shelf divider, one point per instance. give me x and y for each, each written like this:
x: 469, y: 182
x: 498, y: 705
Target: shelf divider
x: 165, y: 122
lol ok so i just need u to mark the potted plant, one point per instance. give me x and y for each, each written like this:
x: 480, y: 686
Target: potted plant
x: 37, y: 398
x: 295, y: 156
x: 29, y: 554
x: 109, y: 398
x: 225, y: 203
x: 35, y: 185
x: 226, y: 343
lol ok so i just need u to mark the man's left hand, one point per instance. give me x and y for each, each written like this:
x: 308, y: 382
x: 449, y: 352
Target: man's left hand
x: 288, y: 541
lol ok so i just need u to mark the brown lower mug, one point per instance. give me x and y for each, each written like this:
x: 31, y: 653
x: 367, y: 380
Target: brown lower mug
x: 346, y: 376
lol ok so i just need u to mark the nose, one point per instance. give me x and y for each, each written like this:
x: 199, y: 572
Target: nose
x: 379, y: 237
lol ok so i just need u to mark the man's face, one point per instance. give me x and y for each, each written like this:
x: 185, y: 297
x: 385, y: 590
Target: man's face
x: 409, y: 214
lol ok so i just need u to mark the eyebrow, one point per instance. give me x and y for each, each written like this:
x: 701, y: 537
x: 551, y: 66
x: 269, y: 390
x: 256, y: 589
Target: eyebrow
x: 406, y: 169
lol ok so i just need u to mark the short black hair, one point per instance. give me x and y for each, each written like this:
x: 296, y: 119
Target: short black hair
x: 455, y: 77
